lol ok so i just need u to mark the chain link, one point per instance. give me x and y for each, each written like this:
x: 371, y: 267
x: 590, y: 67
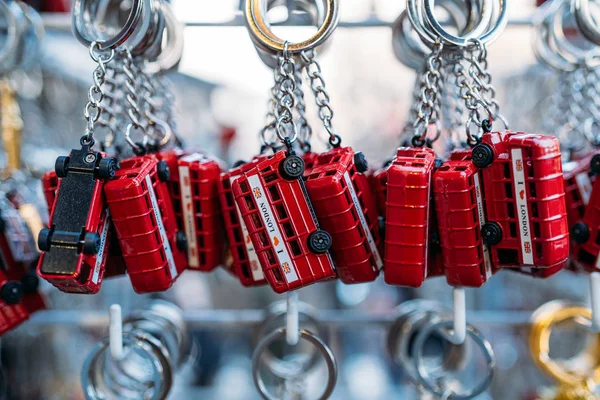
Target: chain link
x: 428, y: 106
x: 271, y: 120
x: 285, y: 99
x: 134, y: 111
x: 93, y: 109
x: 112, y: 89
x: 302, y: 126
x: 322, y: 99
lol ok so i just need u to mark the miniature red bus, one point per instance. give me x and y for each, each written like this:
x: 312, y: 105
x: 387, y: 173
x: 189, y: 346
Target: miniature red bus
x: 410, y: 255
x: 461, y: 215
x: 346, y: 208
x: 193, y: 186
x: 245, y: 263
x: 50, y: 185
x: 525, y: 201
x: 12, y: 309
x: 75, y: 246
x: 292, y: 250
x: 586, y: 233
x: 578, y: 179
x: 144, y: 218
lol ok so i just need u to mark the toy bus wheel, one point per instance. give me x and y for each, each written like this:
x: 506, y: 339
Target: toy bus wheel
x: 30, y: 282
x: 107, y: 168
x: 12, y: 292
x: 91, y: 243
x: 292, y: 168
x: 61, y: 166
x: 360, y: 161
x: 181, y: 241
x: 319, y: 242
x: 44, y: 240
x: 163, y: 171
x: 595, y: 164
x: 482, y: 155
x: 580, y: 232
x: 491, y: 233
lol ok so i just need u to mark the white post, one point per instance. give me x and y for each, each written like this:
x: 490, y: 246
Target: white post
x: 460, y: 316
x: 595, y: 300
x: 292, y: 319
x: 115, y: 331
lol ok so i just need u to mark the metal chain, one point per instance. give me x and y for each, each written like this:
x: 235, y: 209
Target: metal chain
x: 93, y: 108
x: 428, y: 109
x: 285, y: 99
x: 133, y: 99
x: 271, y: 120
x: 112, y: 86
x: 303, y: 127
x: 322, y: 99
x: 408, y: 129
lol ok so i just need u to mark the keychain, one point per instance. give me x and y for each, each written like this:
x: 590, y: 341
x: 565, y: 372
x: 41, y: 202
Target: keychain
x: 75, y: 246
x: 273, y: 198
x: 576, y: 377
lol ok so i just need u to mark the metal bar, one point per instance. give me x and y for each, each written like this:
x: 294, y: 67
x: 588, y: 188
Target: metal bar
x: 247, y: 318
x: 63, y: 22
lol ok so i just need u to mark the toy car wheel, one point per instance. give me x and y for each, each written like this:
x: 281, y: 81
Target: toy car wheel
x: 30, y: 282
x: 360, y: 161
x: 491, y: 233
x: 61, y: 166
x: 44, y: 240
x: 163, y: 171
x: 107, y: 168
x: 319, y: 242
x: 181, y: 241
x: 580, y: 232
x: 91, y: 243
x: 482, y: 155
x: 595, y: 164
x: 292, y: 168
x: 12, y: 292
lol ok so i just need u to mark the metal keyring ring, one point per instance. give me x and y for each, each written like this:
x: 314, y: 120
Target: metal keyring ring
x: 583, y: 17
x: 463, y: 41
x: 423, y: 374
x: 280, y: 334
x: 425, y: 29
x: 409, y: 47
x: 172, y: 51
x: 15, y: 23
x: 307, y: 318
x: 317, y: 15
x: 543, y: 321
x: 262, y: 34
x: 564, y: 48
x: 33, y: 33
x: 542, y: 50
x: 146, y: 345
x: 413, y: 315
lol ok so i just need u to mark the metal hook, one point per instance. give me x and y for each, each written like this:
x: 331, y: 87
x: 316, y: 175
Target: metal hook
x: 458, y: 334
x: 115, y: 331
x: 292, y: 331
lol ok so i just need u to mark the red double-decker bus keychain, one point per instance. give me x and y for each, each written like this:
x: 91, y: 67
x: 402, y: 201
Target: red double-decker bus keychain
x: 276, y: 209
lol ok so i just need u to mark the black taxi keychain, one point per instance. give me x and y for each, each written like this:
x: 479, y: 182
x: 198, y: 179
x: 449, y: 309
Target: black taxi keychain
x: 272, y: 197
x: 75, y: 246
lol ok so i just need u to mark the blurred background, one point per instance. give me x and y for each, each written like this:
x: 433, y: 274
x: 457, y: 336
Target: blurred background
x: 221, y: 91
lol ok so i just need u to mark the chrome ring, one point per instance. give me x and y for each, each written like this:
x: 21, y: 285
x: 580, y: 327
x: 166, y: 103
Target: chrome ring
x: 33, y: 33
x: 84, y: 30
x: 585, y: 22
x: 564, y: 48
x: 307, y: 316
x: 412, y: 316
x: 170, y: 54
x: 425, y: 28
x: 434, y: 387
x: 262, y: 35
x: 280, y: 334
x: 462, y: 41
x: 15, y: 20
x: 93, y: 374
